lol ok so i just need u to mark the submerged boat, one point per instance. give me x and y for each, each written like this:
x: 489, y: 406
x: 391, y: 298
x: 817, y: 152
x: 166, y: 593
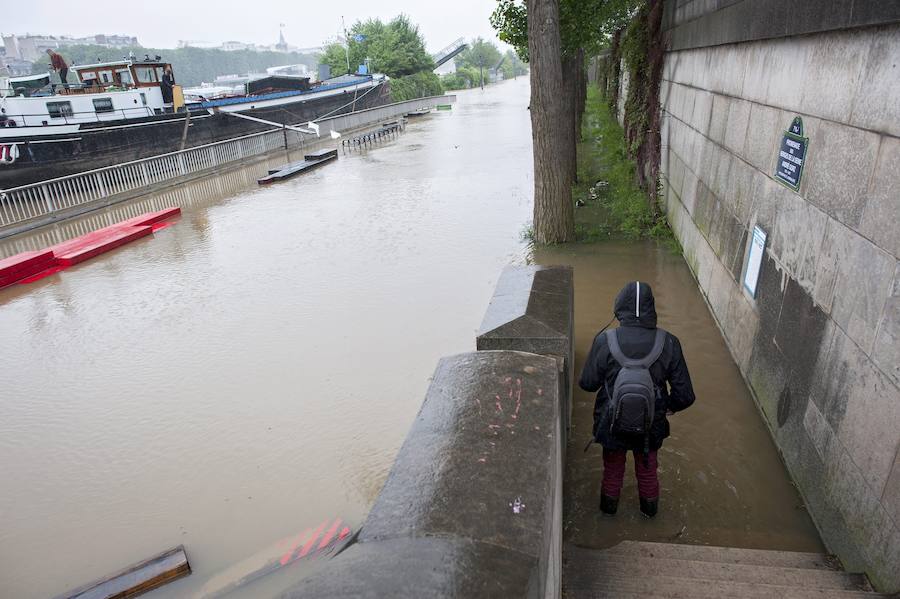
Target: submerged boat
x: 116, y: 113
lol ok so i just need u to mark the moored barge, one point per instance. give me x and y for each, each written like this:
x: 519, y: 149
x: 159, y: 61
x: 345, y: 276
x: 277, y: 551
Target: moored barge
x: 116, y: 113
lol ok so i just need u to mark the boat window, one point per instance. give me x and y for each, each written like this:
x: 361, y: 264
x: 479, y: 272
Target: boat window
x: 159, y: 73
x: 106, y: 76
x: 145, y: 74
x: 125, y: 77
x: 58, y: 110
x: 144, y: 98
x: 103, y: 105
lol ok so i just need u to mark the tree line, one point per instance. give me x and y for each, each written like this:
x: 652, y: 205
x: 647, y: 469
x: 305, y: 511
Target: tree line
x: 555, y: 36
x: 395, y: 48
x: 192, y: 66
x: 474, y: 64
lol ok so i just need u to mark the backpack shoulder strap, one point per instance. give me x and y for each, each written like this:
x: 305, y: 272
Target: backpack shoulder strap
x: 616, y: 350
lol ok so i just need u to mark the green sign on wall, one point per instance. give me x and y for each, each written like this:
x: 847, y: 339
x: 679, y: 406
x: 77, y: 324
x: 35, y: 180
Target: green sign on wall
x: 792, y: 155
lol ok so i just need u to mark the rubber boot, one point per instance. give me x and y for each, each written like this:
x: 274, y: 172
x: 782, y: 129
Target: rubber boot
x: 609, y: 505
x: 649, y: 507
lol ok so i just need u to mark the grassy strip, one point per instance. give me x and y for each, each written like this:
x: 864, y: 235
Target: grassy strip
x: 609, y: 202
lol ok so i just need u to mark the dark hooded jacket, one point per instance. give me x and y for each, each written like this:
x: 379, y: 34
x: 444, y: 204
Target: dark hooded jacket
x: 636, y: 313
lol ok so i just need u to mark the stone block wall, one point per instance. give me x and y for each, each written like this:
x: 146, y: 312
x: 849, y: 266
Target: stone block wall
x: 819, y: 344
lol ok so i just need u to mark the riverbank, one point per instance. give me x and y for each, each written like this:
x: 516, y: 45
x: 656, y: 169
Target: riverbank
x: 608, y: 202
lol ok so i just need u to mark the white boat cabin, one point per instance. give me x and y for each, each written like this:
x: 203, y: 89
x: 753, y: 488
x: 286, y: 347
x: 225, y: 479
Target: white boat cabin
x: 106, y: 91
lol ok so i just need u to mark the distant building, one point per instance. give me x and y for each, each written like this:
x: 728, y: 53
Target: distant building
x: 282, y: 45
x: 233, y: 46
x: 32, y: 47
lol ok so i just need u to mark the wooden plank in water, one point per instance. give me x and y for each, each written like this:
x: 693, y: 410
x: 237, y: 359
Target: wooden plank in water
x: 321, y: 154
x: 137, y: 578
x: 291, y: 170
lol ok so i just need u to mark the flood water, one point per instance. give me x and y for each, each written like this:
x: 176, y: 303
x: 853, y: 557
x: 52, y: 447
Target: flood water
x: 251, y: 371
x: 722, y: 480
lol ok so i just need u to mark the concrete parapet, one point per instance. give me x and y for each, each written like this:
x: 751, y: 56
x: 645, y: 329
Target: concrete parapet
x: 699, y: 23
x: 472, y: 505
x: 533, y: 310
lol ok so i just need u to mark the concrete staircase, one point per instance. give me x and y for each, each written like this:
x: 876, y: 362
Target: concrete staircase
x: 637, y: 569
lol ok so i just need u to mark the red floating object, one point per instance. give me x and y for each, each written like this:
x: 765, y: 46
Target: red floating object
x: 25, y: 264
x: 31, y: 266
x: 150, y: 217
x: 110, y: 241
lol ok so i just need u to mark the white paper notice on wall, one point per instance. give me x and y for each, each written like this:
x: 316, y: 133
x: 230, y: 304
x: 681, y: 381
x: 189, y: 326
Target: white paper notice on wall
x: 754, y: 260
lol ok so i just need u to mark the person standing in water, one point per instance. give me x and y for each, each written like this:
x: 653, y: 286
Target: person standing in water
x: 640, y: 376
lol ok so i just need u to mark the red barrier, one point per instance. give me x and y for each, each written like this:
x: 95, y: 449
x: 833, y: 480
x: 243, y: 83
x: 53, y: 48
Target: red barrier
x: 106, y: 243
x: 24, y: 265
x: 31, y: 266
x: 150, y: 217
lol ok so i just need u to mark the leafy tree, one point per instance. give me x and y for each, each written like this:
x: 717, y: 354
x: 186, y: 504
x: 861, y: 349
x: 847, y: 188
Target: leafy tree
x: 479, y: 53
x: 395, y: 48
x: 336, y: 58
x: 417, y: 85
x: 512, y: 65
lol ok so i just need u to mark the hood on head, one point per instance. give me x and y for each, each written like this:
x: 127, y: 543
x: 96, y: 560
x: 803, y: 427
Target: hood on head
x: 635, y: 305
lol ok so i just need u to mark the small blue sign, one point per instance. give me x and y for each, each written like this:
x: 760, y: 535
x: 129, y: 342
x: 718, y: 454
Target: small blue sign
x: 363, y: 70
x: 359, y: 37
x: 792, y: 155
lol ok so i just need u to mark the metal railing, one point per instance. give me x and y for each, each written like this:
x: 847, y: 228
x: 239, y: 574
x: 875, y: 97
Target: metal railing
x: 39, y: 199
x: 41, y: 202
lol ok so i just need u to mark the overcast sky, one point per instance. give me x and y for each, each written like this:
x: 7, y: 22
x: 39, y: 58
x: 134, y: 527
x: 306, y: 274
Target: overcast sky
x: 161, y: 23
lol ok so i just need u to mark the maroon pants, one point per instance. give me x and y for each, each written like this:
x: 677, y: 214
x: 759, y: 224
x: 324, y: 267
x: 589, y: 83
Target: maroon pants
x: 614, y: 473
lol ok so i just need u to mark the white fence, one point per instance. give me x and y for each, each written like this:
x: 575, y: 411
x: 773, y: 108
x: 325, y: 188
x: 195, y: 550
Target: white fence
x: 29, y: 206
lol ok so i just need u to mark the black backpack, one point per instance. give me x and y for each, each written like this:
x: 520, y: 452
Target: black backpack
x: 634, y: 394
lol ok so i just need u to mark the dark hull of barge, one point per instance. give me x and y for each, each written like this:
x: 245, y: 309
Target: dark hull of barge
x: 114, y: 142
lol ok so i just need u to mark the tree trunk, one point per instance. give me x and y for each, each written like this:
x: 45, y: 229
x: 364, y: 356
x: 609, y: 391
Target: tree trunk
x: 570, y: 84
x: 550, y: 127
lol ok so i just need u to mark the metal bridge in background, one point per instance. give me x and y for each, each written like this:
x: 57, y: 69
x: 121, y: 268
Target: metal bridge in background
x: 449, y: 52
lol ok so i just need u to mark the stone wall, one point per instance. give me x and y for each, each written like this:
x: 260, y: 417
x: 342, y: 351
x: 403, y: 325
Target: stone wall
x: 819, y: 344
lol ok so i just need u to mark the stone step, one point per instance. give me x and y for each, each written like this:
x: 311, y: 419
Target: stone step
x: 591, y: 585
x: 602, y: 564
x: 728, y: 555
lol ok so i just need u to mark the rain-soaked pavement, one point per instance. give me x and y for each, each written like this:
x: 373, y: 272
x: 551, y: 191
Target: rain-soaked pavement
x: 250, y: 372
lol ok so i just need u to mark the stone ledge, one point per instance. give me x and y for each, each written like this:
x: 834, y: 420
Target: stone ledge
x: 533, y: 310
x: 472, y: 505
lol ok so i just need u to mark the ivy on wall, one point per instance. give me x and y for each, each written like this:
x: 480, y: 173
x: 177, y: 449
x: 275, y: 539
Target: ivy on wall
x: 640, y: 47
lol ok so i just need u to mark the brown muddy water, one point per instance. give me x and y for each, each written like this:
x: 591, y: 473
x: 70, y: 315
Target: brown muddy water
x: 251, y: 371
x: 722, y: 480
